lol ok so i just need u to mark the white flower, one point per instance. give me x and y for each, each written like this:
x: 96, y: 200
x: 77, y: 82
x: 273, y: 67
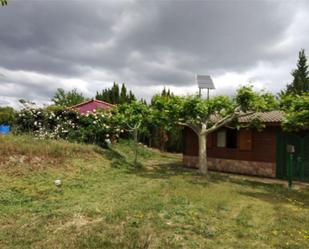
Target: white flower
x: 94, y: 122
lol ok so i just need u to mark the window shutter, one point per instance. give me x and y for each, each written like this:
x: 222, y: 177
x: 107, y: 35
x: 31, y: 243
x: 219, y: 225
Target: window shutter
x: 209, y: 141
x: 245, y: 140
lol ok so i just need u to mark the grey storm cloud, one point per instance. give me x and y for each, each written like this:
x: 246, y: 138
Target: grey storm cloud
x: 46, y: 44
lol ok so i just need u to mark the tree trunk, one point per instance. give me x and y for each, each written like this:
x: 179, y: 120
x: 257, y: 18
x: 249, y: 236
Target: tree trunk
x: 202, y: 151
x: 136, y: 147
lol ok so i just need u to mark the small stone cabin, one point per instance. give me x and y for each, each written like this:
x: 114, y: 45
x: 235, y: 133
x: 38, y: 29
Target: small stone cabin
x: 245, y: 151
x: 90, y: 105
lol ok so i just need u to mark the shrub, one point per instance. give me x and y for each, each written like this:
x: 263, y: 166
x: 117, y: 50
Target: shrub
x: 56, y: 122
x: 7, y: 115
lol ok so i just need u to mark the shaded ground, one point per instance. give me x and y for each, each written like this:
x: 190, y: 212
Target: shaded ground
x: 106, y: 202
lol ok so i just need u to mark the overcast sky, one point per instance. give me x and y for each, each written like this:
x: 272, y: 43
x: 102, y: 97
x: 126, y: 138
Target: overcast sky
x: 88, y: 44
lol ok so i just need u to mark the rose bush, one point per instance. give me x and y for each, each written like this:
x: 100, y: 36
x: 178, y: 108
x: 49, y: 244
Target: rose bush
x: 99, y: 127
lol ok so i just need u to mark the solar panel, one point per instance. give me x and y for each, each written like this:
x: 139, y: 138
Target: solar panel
x: 205, y: 81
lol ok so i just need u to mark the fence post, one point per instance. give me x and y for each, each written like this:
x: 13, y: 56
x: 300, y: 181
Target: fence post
x: 291, y: 150
x: 290, y: 170
x: 302, y: 156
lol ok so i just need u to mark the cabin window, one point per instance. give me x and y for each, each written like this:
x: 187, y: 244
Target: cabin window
x: 227, y: 138
x: 221, y: 138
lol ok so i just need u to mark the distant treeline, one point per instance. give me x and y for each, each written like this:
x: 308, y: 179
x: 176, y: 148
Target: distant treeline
x: 115, y: 96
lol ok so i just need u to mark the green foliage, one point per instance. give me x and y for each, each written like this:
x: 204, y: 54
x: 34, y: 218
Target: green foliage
x: 4, y: 2
x: 123, y: 94
x: 114, y: 96
x: 300, y: 75
x: 248, y: 100
x: 7, y: 115
x: 165, y: 133
x: 195, y: 111
x: 296, y: 108
x: 165, y: 109
x: 294, y: 101
x: 67, y: 99
x: 135, y: 116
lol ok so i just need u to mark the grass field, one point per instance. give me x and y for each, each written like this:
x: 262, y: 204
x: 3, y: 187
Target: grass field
x: 105, y: 202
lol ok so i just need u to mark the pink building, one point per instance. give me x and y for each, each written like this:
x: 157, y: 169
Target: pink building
x: 91, y: 105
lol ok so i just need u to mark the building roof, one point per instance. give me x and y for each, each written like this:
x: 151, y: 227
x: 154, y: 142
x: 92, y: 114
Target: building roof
x: 90, y: 101
x: 265, y: 117
x: 270, y: 117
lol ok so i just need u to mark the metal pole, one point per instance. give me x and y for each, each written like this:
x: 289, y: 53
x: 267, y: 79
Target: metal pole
x: 199, y: 92
x: 207, y: 93
x: 290, y: 170
x: 302, y: 156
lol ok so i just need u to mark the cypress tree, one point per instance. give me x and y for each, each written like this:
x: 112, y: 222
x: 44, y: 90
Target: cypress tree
x: 131, y: 96
x: 163, y: 92
x: 300, y: 75
x: 116, y: 93
x: 123, y: 94
x: 114, y: 96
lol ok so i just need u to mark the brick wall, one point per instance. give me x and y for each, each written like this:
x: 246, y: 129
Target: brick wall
x: 266, y: 169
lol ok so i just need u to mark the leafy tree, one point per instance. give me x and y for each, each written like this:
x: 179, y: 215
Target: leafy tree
x: 7, y: 115
x: 205, y: 116
x: 296, y: 110
x: 165, y: 134
x: 161, y: 123
x: 67, y: 99
x: 300, y: 75
x: 135, y: 116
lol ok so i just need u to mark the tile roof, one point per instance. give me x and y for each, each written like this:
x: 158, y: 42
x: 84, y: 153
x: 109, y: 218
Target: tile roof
x: 273, y: 117
x: 266, y: 117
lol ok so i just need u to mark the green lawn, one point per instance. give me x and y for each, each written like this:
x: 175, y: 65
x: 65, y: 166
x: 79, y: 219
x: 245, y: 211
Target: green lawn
x: 105, y: 202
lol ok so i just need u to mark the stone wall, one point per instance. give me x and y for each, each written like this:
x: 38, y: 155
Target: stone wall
x: 265, y: 169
